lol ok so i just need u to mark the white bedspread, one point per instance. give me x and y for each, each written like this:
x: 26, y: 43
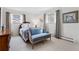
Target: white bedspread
x: 24, y: 33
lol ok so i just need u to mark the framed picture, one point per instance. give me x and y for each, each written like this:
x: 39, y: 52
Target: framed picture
x: 70, y: 17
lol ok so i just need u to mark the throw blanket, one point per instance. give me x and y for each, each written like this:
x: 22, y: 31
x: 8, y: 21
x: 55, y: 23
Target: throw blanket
x: 24, y: 33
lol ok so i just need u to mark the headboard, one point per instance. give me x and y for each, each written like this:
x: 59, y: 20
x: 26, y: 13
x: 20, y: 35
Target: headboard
x: 22, y: 24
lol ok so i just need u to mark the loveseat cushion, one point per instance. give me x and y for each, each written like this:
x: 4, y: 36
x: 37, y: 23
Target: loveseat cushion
x: 38, y: 36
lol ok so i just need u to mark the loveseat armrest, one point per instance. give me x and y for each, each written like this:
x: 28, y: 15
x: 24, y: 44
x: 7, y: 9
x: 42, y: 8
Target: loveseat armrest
x: 30, y: 37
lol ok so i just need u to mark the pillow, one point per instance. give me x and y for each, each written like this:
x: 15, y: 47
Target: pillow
x: 36, y: 31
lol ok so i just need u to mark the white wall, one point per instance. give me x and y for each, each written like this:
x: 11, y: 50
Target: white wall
x: 71, y: 29
x: 35, y: 20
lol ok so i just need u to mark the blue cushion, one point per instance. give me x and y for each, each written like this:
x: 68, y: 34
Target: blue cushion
x: 35, y: 37
x: 36, y: 31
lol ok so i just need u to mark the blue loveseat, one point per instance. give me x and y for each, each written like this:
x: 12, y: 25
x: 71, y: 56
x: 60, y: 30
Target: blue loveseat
x: 37, y: 34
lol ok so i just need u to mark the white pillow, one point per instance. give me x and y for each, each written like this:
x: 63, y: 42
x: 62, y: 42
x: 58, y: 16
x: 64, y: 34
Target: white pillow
x: 25, y: 25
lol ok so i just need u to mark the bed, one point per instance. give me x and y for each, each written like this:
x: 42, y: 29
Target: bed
x: 23, y: 31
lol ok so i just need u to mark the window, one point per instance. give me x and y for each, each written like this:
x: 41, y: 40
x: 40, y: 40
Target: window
x: 16, y: 18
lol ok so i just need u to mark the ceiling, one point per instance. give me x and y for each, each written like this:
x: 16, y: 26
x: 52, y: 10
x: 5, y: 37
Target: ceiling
x: 31, y: 10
